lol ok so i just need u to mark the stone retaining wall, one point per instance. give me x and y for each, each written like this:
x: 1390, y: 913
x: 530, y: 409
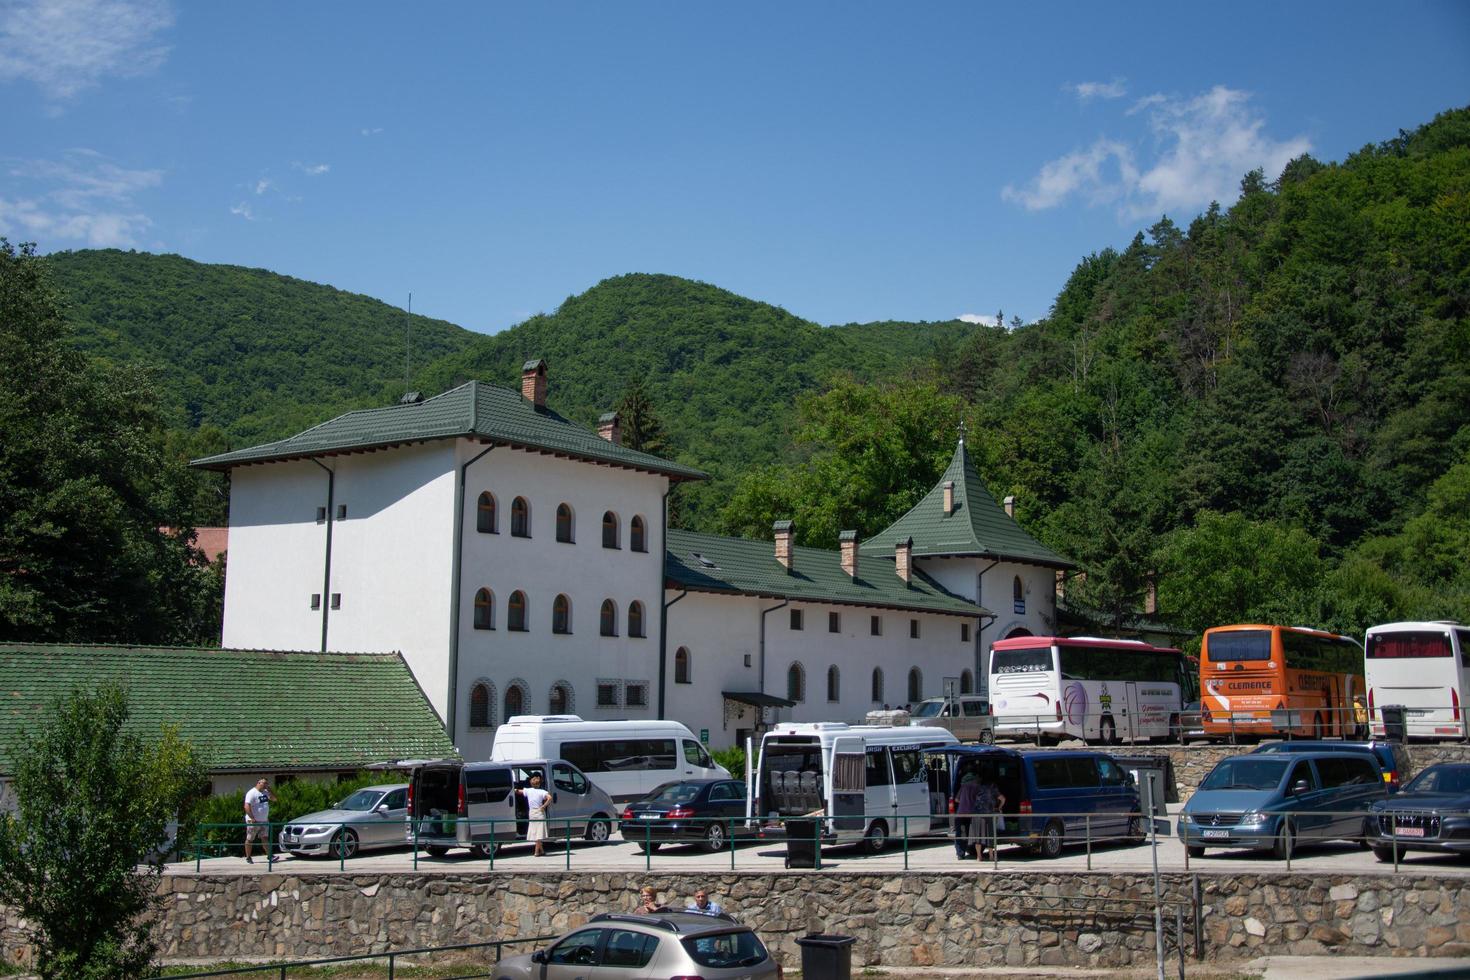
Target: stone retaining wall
x: 949, y: 919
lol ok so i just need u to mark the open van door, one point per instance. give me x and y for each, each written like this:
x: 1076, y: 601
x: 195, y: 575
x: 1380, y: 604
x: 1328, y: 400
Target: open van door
x: 849, y: 783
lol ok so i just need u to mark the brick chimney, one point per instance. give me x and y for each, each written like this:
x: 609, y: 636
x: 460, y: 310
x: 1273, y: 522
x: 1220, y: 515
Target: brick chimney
x: 1010, y: 505
x: 948, y: 497
x: 1061, y: 586
x: 848, y: 542
x: 610, y: 427
x: 903, y: 559
x: 533, y: 383
x: 784, y: 554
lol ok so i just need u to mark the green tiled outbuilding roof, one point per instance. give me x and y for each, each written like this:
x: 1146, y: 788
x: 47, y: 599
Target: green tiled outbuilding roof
x: 243, y: 709
x: 474, y: 410
x: 978, y: 526
x: 712, y: 563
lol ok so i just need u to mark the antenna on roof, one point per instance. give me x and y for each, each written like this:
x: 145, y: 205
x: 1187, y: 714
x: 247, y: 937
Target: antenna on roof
x: 407, y: 338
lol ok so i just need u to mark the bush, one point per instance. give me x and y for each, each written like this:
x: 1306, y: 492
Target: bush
x: 732, y: 759
x: 222, y: 818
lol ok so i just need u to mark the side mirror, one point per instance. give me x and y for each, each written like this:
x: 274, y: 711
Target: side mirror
x: 383, y: 808
x: 1299, y: 787
x: 539, y: 956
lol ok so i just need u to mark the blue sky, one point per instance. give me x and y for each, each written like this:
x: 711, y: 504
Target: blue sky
x: 849, y: 162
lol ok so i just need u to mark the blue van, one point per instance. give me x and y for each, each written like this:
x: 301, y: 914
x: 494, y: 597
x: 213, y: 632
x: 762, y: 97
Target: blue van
x: 1052, y: 798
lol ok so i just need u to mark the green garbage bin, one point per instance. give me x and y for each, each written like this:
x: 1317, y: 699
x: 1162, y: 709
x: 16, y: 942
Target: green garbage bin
x: 826, y: 957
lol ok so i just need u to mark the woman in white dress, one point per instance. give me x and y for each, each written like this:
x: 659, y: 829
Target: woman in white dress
x: 538, y: 805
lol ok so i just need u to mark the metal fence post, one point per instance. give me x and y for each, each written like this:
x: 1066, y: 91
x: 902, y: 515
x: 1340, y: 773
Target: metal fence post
x: 647, y: 846
x: 390, y: 965
x: 1393, y: 839
x: 415, y: 842
x: 1288, y: 841
x: 817, y: 844
x: 493, y: 848
x: 1088, y: 832
x: 198, y: 851
x: 569, y: 844
x: 730, y: 841
x: 342, y: 850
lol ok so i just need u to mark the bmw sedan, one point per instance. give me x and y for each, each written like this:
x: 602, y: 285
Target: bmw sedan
x: 372, y: 817
x: 1431, y: 813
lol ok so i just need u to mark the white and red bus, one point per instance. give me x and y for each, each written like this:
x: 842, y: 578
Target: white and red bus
x: 1426, y: 668
x: 1100, y: 690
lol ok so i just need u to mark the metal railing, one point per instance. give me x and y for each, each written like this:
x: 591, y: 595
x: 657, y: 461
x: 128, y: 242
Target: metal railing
x: 391, y: 956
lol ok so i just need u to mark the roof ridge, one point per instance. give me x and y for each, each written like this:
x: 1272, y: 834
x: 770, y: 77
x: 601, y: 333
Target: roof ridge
x: 25, y: 645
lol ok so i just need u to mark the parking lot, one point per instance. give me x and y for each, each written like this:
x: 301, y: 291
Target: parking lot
x: 927, y: 854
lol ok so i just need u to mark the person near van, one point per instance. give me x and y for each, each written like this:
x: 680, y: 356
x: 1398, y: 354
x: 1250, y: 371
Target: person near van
x: 964, y: 808
x: 538, y: 805
x: 988, y: 801
x: 258, y: 802
x: 703, y: 904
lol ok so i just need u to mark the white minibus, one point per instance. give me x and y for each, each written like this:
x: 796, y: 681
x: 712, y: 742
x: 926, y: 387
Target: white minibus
x: 1426, y: 668
x: 869, y: 782
x: 625, y: 759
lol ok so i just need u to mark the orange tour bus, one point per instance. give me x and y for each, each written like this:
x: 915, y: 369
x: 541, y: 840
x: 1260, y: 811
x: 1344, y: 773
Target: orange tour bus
x: 1281, y: 681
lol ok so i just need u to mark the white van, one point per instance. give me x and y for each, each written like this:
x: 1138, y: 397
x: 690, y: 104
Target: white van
x: 870, y: 782
x: 625, y: 759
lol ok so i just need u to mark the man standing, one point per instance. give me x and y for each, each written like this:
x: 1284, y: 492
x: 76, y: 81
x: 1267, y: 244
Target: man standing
x: 258, y: 818
x: 703, y: 904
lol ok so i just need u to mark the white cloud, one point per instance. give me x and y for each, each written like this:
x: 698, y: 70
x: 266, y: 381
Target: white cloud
x: 65, y: 46
x: 374, y: 131
x: 1087, y: 91
x: 82, y: 197
x: 312, y: 169
x: 262, y: 185
x: 243, y: 210
x: 980, y: 318
x: 1201, y: 147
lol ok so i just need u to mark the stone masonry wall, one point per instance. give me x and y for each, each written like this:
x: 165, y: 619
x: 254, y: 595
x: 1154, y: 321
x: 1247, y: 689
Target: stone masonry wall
x: 949, y: 919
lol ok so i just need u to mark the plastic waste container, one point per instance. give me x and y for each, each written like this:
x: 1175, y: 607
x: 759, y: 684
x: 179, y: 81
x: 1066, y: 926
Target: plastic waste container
x: 1156, y: 770
x: 826, y: 957
x: 1395, y: 722
x: 801, y: 843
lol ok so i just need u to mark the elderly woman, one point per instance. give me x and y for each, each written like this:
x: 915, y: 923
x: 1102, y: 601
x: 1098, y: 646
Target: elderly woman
x: 988, y: 801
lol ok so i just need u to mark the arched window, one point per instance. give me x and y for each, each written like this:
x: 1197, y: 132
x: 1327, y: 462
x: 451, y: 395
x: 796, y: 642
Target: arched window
x: 681, y: 666
x: 832, y: 684
x: 635, y: 619
x: 610, y: 530
x: 480, y: 706
x: 559, y: 702
x: 877, y: 693
x: 637, y: 535
x: 564, y: 523
x: 795, y: 683
x: 485, y: 514
x: 520, y: 519
x: 484, y: 610
x: 916, y: 686
x: 561, y: 616
x: 609, y: 618
x: 515, y: 701
x: 1018, y: 595
x: 516, y: 616
x: 967, y: 682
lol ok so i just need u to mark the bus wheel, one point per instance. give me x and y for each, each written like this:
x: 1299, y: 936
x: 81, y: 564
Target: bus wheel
x: 1107, y: 731
x: 876, y: 838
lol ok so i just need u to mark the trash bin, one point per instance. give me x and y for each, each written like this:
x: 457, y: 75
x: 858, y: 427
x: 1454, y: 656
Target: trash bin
x: 1155, y: 773
x: 826, y: 957
x: 1395, y: 722
x: 801, y: 843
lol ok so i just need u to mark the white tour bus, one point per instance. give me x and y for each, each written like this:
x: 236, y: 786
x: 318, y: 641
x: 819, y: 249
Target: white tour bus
x: 865, y: 779
x: 624, y: 759
x: 1426, y: 668
x: 1051, y: 688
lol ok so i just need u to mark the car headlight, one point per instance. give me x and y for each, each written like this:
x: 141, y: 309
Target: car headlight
x: 1255, y: 818
x: 316, y: 829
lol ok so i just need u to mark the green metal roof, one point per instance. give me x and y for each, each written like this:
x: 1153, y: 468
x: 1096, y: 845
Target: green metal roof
x: 474, y: 410
x: 243, y: 709
x: 978, y: 526
x: 744, y: 567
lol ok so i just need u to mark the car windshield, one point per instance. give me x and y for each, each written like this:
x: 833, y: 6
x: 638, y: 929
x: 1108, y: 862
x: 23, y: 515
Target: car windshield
x: 927, y: 709
x: 1441, y: 779
x: 674, y: 793
x: 726, y: 949
x: 363, y: 799
x: 1246, y: 773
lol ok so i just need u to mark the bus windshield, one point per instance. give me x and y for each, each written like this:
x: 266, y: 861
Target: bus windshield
x: 1406, y: 646
x: 1034, y: 661
x: 1240, y: 645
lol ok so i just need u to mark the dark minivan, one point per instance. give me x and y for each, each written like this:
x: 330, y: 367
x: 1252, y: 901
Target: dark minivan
x: 1052, y: 798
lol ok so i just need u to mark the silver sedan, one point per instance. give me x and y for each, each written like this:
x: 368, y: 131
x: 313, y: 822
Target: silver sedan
x: 372, y: 817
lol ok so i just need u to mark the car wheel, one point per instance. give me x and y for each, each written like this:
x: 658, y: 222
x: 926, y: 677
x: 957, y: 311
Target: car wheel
x: 1051, y: 840
x: 1194, y: 850
x: 714, y: 837
x: 599, y: 830
x: 1384, y: 854
x: 1107, y: 732
x: 436, y: 851
x: 987, y: 737
x: 344, y: 845
x: 484, y: 850
x: 649, y: 847
x: 1285, y: 845
x: 876, y: 838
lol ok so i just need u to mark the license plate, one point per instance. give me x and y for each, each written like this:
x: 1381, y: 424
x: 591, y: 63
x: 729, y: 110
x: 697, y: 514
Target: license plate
x: 1214, y: 833
x: 288, y: 838
x: 1418, y: 712
x: 1409, y: 832
x: 649, y: 816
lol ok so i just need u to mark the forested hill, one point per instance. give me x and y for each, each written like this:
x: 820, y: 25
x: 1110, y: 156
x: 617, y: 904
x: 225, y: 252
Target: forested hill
x: 256, y: 354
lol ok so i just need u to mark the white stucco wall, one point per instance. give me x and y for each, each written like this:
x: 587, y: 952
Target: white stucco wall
x: 995, y: 591
x: 542, y: 567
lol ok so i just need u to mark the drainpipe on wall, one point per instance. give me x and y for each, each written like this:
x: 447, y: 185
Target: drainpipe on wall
x: 664, y: 603
x: 663, y: 648
x: 982, y: 669
x: 454, y: 598
x: 327, y: 558
x: 764, y: 613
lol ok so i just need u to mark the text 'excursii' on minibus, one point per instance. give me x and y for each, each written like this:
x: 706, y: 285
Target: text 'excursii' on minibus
x: 1426, y: 668
x: 1100, y: 690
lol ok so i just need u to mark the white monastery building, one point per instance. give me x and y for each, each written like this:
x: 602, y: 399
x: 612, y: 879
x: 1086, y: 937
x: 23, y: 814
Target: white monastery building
x: 522, y: 564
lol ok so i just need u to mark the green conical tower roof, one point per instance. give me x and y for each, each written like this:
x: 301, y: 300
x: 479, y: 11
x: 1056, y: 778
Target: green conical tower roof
x: 977, y: 526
